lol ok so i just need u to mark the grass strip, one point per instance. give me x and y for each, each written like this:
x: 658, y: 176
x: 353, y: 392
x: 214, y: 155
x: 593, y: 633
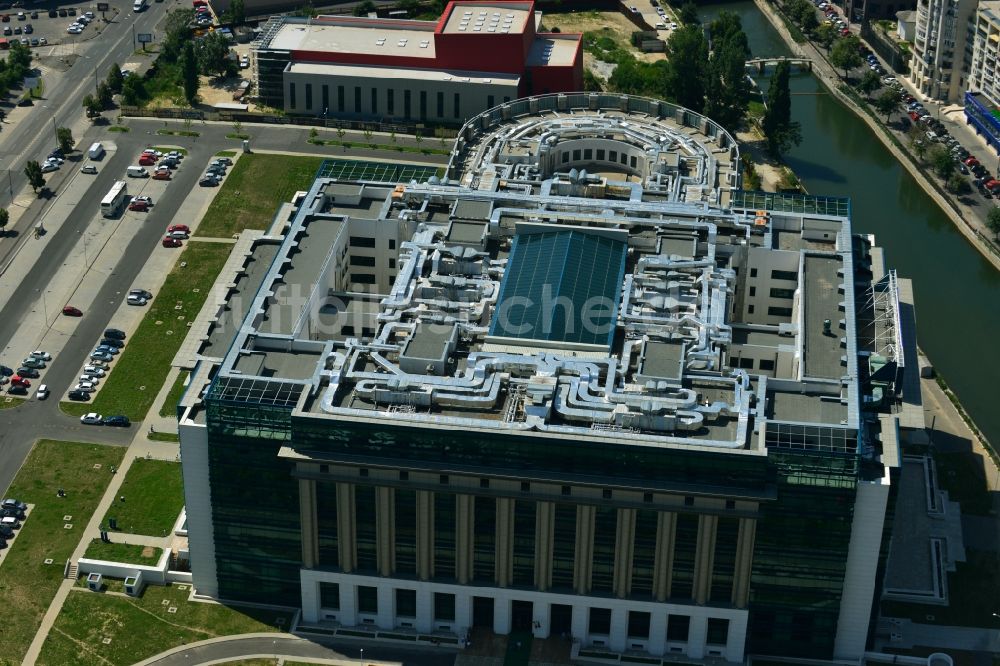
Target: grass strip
x: 27, y: 584
x: 141, y: 369
x: 169, y: 407
x: 154, y: 496
x: 380, y: 146
x: 139, y: 628
x: 167, y: 132
x: 119, y: 128
x: 127, y: 553
x: 253, y: 190
x: 8, y: 402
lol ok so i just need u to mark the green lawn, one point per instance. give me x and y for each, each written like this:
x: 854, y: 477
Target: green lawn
x: 169, y: 406
x: 27, y: 584
x: 140, y: 370
x: 7, y: 402
x: 122, y: 552
x: 253, y: 190
x: 154, y: 495
x: 140, y: 628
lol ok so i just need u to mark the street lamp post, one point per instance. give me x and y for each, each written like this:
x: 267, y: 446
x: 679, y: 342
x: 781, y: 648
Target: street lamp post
x: 363, y: 654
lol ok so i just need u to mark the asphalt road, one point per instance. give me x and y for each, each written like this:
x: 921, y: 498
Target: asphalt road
x: 293, y: 647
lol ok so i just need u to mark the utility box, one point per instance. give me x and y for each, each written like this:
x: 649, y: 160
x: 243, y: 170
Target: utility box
x: 134, y: 585
x: 95, y: 582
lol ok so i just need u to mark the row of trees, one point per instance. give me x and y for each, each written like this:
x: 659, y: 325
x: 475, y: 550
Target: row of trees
x: 14, y: 68
x: 102, y: 98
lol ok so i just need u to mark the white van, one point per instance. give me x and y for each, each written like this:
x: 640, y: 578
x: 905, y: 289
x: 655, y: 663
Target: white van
x: 96, y: 151
x: 138, y: 5
x: 136, y: 172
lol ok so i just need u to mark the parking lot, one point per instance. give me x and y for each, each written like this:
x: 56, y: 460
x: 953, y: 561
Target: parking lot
x: 46, y: 25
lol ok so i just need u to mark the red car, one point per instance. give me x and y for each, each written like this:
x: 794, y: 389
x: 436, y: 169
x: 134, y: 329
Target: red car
x: 18, y: 380
x: 179, y: 227
x: 71, y: 311
x: 914, y: 116
x: 146, y: 161
x: 970, y: 161
x: 171, y: 242
x: 139, y: 206
x: 161, y: 175
x: 845, y: 32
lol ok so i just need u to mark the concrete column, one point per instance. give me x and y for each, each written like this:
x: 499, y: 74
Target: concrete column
x: 504, y: 562
x: 501, y: 616
x: 584, y: 548
x: 425, y: 534
x: 663, y: 565
x: 544, y: 521
x: 385, y: 520
x: 345, y: 533
x: 744, y: 562
x: 580, y: 623
x: 657, y: 643
x: 624, y: 547
x: 704, y: 557
x: 463, y: 538
x: 307, y: 516
x: 348, y: 613
x: 540, y: 617
x: 310, y: 599
x: 386, y: 618
x: 618, y: 639
x: 737, y: 638
x: 463, y: 612
x: 697, y: 635
x: 425, y: 609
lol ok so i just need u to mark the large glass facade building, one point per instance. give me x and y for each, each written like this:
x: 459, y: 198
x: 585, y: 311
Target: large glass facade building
x: 576, y: 388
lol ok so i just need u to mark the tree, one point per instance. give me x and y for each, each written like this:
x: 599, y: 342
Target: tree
x: 917, y: 142
x: 845, y: 54
x: 213, y: 54
x: 189, y: 74
x: 133, y: 91
x: 958, y: 184
x: 687, y: 58
x: 33, y: 170
x: 64, y: 137
x: 591, y: 83
x: 4, y: 218
x: 993, y: 221
x: 689, y: 13
x: 176, y: 34
x: 104, y: 95
x: 869, y: 83
x: 825, y: 34
x: 237, y: 12
x: 115, y: 78
x: 727, y: 90
x: 888, y: 103
x: 92, y: 106
x: 364, y: 8
x: 809, y: 22
x: 780, y: 130
x: 941, y: 161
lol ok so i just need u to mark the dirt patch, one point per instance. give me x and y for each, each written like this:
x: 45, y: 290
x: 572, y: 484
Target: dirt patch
x: 148, y: 552
x: 614, y: 23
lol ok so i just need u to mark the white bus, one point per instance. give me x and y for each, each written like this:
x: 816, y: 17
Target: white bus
x: 115, y: 200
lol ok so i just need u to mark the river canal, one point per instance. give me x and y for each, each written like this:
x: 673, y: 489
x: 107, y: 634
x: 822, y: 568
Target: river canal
x: 957, y: 292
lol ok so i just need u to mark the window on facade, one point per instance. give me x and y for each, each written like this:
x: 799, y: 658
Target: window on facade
x: 524, y: 543
x: 753, y: 291
x: 644, y: 552
x: 329, y: 596
x: 638, y: 624
x: 362, y: 261
x: 563, y: 546
x: 633, y: 161
x: 443, y: 479
x: 678, y: 627
x: 362, y: 241
x: 390, y: 101
x: 489, y: 102
x: 444, y: 536
x: 440, y: 105
x: 784, y: 275
x: 392, y: 263
x: 364, y: 528
x: 600, y: 621
x: 750, y: 309
x: 600, y: 153
x: 753, y: 272
x: 603, y: 563
x: 766, y: 364
x: 685, y: 541
x: 718, y: 631
x: 577, y: 155
x: 588, y: 154
x: 291, y: 96
x: 484, y: 539
x: 407, y: 113
x: 565, y: 158
x: 746, y: 363
x: 374, y: 101
x: 404, y: 475
x: 340, y: 98
x: 444, y: 607
x: 779, y: 312
x: 326, y: 99
x: 484, y: 483
x: 613, y: 156
x: 457, y: 110
x: 357, y: 99
x: 367, y: 599
x: 406, y: 603
x: 362, y: 278
x: 525, y: 486
x: 423, y: 104
x: 724, y: 560
x: 392, y: 243
x: 405, y: 519
x: 309, y: 97
x: 326, y: 524
x: 782, y: 293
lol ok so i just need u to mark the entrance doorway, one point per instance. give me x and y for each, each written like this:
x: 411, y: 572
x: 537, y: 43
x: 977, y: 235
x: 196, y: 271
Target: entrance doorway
x: 482, y: 612
x: 560, y: 620
x: 521, y: 615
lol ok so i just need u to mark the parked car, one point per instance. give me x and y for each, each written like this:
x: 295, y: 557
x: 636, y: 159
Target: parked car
x: 71, y: 311
x: 180, y: 235
x: 89, y: 168
x: 6, y: 371
x: 208, y: 181
x: 119, y: 334
x: 171, y: 242
x: 161, y: 175
x: 93, y: 370
x: 91, y: 418
x: 136, y: 292
x: 49, y: 167
x: 78, y: 395
x: 28, y: 372
x: 139, y: 206
x: 11, y: 503
x: 112, y: 342
x: 18, y: 389
x: 18, y: 380
x: 108, y: 349
x: 179, y: 227
x: 89, y: 387
x: 99, y: 355
x: 32, y: 362
x: 224, y: 160
x: 41, y: 355
x: 118, y: 420
x: 133, y: 299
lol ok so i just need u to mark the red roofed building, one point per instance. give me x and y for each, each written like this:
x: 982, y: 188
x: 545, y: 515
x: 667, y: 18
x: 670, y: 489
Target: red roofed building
x: 477, y: 55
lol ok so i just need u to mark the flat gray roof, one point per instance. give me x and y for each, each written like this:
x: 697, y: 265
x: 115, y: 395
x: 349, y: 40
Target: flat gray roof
x: 663, y: 359
x: 428, y: 342
x: 466, y: 232
x: 239, y: 300
x: 283, y: 365
x: 403, y: 73
x: 805, y: 408
x: 357, y: 35
x: 822, y: 352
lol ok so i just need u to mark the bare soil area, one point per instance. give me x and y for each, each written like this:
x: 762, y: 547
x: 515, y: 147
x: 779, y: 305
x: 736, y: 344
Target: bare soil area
x: 619, y: 27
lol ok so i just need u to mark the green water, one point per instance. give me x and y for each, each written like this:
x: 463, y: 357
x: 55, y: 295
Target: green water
x: 957, y: 292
